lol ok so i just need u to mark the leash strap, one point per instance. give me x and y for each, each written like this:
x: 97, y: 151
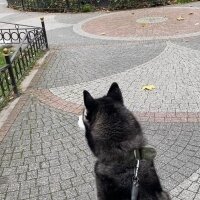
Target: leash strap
x: 134, y: 192
x: 135, y: 184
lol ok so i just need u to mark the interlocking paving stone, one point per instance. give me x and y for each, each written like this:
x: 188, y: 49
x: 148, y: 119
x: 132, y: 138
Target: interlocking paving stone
x: 67, y: 172
x: 174, y: 73
x: 85, y: 63
x: 45, y: 156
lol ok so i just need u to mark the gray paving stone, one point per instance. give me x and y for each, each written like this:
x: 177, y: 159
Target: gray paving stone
x: 34, y: 192
x: 197, y: 197
x: 2, y: 196
x: 24, y: 194
x: 60, y: 195
x: 44, y: 190
x: 107, y: 62
x: 32, y: 175
x: 187, y: 195
x: 71, y: 193
x: 12, y: 196
x: 13, y: 187
x: 54, y: 187
x: 45, y: 197
x: 52, y: 161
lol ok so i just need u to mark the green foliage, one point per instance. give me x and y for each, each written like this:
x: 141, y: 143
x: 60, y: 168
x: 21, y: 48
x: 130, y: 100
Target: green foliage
x: 87, y: 8
x: 86, y: 5
x: 2, y: 59
x: 183, y: 1
x: 124, y: 4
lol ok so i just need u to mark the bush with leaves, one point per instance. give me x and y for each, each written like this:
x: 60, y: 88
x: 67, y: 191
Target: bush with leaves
x: 124, y: 4
x: 86, y: 5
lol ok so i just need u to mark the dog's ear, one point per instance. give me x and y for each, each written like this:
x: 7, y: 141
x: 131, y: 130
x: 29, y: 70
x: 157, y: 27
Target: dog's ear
x: 115, y: 93
x: 89, y: 101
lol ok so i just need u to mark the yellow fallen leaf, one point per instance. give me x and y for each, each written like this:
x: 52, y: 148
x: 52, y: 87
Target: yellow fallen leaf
x: 143, y: 24
x: 180, y: 18
x: 148, y: 87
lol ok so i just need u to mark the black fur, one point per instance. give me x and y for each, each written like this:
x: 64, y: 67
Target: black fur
x: 112, y: 132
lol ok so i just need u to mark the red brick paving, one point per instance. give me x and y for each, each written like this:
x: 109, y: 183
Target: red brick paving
x: 50, y: 99
x: 123, y: 24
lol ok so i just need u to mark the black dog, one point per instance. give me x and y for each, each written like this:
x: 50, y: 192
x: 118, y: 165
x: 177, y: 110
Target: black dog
x: 113, y: 133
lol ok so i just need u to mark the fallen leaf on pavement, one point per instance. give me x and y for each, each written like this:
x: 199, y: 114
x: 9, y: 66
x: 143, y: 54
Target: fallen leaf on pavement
x: 143, y: 24
x: 180, y: 18
x: 148, y: 87
x: 191, y: 13
x: 103, y: 33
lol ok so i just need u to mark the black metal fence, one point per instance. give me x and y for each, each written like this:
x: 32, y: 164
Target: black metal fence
x: 30, y: 42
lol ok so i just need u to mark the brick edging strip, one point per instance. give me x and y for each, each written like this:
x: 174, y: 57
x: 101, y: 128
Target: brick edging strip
x: 47, y: 97
x: 13, y: 115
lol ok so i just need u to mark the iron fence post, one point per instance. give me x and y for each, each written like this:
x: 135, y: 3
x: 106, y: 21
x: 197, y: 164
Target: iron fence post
x: 44, y: 31
x: 10, y: 70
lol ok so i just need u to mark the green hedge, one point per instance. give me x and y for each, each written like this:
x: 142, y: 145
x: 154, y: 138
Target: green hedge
x: 125, y: 4
x: 81, y: 5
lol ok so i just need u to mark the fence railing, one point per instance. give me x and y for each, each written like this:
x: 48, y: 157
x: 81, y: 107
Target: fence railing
x: 33, y: 42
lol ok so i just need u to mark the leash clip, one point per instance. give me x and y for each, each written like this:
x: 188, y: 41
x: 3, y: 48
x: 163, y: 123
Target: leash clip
x: 135, y: 180
x: 136, y: 169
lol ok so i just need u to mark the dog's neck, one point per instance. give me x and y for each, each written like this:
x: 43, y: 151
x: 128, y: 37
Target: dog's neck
x: 144, y: 153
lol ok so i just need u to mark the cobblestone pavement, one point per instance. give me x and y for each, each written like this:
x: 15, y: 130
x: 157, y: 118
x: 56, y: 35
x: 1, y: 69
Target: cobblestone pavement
x: 43, y: 154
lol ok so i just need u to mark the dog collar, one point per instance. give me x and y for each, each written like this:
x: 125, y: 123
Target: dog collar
x: 144, y: 153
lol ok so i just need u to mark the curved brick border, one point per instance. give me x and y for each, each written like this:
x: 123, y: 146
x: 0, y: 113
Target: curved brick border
x: 77, y: 28
x: 47, y: 97
x: 12, y: 116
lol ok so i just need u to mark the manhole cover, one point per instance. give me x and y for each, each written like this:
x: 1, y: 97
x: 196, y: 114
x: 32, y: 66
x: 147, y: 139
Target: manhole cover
x: 151, y: 20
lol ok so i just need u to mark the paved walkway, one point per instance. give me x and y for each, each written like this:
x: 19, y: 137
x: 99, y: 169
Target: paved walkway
x: 43, y: 153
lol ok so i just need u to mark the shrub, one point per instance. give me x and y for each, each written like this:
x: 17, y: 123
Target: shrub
x: 183, y: 1
x: 87, y: 8
x: 123, y: 4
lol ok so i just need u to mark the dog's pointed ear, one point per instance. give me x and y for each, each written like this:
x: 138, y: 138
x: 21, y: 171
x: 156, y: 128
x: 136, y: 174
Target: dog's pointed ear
x: 115, y: 93
x: 89, y: 101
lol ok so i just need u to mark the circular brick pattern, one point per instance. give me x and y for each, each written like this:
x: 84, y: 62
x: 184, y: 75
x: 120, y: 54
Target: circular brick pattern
x: 174, y: 23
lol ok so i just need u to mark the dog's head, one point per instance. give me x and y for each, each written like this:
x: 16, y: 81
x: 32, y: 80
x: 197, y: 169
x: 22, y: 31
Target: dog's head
x: 109, y: 122
x: 106, y: 106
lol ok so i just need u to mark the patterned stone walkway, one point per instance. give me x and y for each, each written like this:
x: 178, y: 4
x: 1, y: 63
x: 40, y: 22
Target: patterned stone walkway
x: 43, y: 154
x: 156, y: 23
